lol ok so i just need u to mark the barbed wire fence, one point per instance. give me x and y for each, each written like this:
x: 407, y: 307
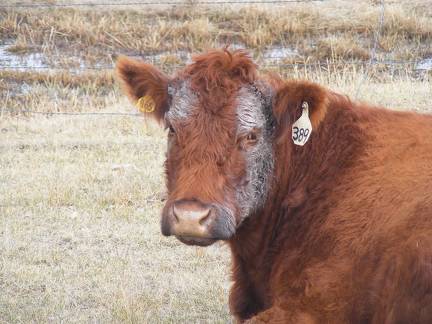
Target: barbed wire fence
x: 370, y: 62
x: 151, y: 3
x: 327, y: 64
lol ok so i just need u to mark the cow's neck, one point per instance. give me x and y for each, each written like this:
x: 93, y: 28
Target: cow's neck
x: 303, y: 177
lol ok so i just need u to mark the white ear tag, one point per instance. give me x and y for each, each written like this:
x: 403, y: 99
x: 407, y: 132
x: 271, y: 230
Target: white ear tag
x: 302, y: 128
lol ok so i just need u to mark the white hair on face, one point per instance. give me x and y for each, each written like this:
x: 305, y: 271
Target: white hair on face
x: 249, y: 111
x: 259, y: 158
x: 183, y: 100
x: 252, y: 111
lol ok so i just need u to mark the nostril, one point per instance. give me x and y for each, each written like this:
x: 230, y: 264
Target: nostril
x: 175, y: 213
x: 205, y: 217
x: 190, y: 213
x: 191, y: 218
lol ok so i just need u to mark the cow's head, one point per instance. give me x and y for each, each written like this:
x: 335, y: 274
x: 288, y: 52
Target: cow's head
x: 221, y: 126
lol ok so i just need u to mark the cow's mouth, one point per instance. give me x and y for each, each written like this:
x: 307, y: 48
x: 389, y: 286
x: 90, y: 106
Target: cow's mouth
x: 196, y: 240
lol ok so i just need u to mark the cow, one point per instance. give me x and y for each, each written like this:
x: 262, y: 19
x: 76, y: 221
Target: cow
x: 325, y: 203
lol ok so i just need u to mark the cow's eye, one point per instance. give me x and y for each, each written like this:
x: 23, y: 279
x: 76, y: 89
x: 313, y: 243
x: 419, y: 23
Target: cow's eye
x: 249, y: 139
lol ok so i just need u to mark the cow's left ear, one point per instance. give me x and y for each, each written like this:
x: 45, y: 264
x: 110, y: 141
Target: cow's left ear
x: 145, y: 85
x: 290, y: 98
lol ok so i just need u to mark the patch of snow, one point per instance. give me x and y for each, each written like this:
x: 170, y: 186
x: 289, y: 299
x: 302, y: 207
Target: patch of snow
x: 425, y: 64
x: 279, y: 53
x: 27, y: 61
x: 236, y: 46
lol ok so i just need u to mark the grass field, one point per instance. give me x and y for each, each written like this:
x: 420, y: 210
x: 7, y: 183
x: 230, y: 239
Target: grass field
x: 79, y: 228
x: 80, y: 196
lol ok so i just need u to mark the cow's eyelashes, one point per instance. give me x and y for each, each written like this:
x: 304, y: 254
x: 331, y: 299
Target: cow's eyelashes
x: 171, y: 130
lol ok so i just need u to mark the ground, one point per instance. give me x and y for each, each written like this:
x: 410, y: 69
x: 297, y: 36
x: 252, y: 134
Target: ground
x: 79, y: 228
x: 80, y: 195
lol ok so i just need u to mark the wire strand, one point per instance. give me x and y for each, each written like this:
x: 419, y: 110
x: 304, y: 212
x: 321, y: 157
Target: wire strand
x: 26, y: 111
x: 372, y: 61
x: 153, y: 3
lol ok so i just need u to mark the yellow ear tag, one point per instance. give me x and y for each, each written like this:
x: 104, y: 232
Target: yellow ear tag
x: 146, y: 104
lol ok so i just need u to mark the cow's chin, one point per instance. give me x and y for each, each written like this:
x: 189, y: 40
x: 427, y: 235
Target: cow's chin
x: 199, y: 241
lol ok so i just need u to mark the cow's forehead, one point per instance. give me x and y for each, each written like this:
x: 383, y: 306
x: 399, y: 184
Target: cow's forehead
x: 248, y: 104
x: 183, y: 101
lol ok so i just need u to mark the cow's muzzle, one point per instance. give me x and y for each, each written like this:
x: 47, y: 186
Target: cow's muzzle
x: 194, y: 223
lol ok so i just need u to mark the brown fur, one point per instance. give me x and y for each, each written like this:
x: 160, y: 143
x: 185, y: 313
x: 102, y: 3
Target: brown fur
x: 345, y: 235
x: 217, y: 75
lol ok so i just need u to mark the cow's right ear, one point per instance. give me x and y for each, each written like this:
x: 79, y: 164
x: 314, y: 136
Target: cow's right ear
x: 145, y: 85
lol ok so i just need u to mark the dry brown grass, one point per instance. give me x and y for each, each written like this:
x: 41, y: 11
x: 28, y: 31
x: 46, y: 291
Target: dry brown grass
x: 79, y: 228
x: 339, y: 49
x: 94, y: 91
x: 64, y: 90
x: 347, y: 27
x: 80, y: 196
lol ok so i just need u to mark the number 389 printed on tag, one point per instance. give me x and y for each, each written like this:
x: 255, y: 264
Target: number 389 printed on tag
x: 302, y: 128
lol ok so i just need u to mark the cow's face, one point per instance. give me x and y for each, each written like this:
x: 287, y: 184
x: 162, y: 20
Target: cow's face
x: 219, y: 161
x: 218, y: 165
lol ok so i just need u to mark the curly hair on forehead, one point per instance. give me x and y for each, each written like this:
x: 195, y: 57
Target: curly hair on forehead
x: 216, y: 75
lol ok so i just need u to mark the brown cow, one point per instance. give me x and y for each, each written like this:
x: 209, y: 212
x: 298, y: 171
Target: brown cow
x: 335, y: 230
